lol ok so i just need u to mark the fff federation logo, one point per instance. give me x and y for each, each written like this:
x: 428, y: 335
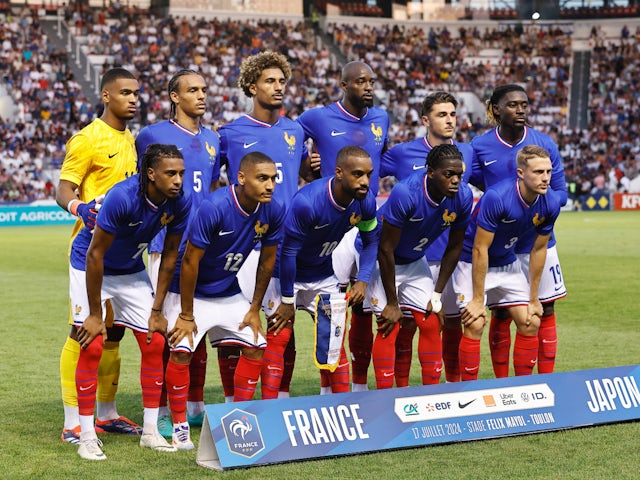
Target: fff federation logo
x: 242, y: 431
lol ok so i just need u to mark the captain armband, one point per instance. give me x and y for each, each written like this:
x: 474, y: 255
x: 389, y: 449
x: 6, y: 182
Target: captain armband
x: 367, y: 225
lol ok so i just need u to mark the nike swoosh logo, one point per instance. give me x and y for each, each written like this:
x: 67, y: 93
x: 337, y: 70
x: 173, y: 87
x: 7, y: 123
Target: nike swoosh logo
x: 544, y: 340
x: 486, y: 164
x: 471, y: 370
x: 318, y: 227
x: 557, y: 289
x: 133, y: 224
x: 271, y: 367
x: 418, y: 167
x: 158, y: 383
x: 465, y: 405
x: 249, y: 145
x: 181, y: 387
x: 83, y: 389
x: 504, y: 220
x: 113, y: 155
x: 388, y: 374
x: 222, y: 234
x: 335, y: 134
x: 416, y: 219
x: 252, y: 382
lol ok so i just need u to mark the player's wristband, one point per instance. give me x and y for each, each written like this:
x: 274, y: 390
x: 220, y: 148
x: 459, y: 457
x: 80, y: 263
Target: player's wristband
x: 436, y: 303
x: 158, y: 310
x: 287, y: 300
x: 191, y: 318
x: 72, y: 206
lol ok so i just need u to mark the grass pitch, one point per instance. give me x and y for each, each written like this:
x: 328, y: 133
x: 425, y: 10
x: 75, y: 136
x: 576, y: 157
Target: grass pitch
x: 597, y: 325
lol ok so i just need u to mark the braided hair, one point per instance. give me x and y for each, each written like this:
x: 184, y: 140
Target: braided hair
x: 497, y: 95
x: 151, y: 158
x: 174, y: 85
x: 440, y: 153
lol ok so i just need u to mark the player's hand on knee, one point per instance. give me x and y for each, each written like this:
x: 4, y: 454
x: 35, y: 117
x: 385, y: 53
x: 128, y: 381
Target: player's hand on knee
x: 388, y: 318
x: 357, y: 293
x: 157, y: 323
x: 185, y: 327
x: 279, y: 319
x: 90, y: 329
x: 252, y: 320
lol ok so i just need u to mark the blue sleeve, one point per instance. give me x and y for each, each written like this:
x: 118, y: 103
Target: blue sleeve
x: 143, y: 140
x: 114, y: 210
x: 388, y: 162
x: 490, y: 211
x: 462, y: 221
x: 475, y: 177
x: 398, y: 207
x: 558, y: 181
x: 296, y: 225
x: 203, y: 225
x: 305, y: 120
x: 370, y: 241
x: 183, y: 208
x: 274, y: 235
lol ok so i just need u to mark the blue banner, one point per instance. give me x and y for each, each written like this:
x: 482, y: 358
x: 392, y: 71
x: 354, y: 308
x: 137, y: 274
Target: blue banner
x: 273, y: 431
x: 22, y: 215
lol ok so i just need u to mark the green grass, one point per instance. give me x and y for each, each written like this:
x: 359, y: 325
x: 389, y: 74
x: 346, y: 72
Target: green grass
x: 597, y: 328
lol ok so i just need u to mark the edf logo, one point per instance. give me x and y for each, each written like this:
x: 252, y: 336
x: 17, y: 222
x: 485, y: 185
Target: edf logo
x: 242, y: 431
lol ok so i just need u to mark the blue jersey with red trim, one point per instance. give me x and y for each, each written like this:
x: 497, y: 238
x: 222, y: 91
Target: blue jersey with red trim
x: 421, y: 219
x: 134, y: 220
x: 201, y: 160
x: 503, y: 211
x: 406, y: 158
x: 228, y: 233
x: 283, y: 142
x: 333, y: 127
x: 314, y: 226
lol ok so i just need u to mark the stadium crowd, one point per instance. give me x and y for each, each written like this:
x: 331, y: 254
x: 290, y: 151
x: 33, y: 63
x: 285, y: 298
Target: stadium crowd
x: 51, y: 104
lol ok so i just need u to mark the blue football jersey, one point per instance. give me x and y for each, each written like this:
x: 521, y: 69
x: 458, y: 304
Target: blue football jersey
x: 201, y: 159
x: 283, y: 142
x: 333, y: 127
x: 314, y: 226
x: 495, y: 160
x: 503, y: 211
x: 134, y: 220
x: 421, y: 219
x: 228, y: 233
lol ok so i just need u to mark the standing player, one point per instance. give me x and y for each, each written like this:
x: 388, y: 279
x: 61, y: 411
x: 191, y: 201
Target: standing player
x: 439, y: 116
x: 221, y: 235
x: 351, y: 121
x: 496, y: 152
x: 489, y: 267
x: 133, y: 212
x: 420, y: 209
x: 319, y: 216
x: 200, y: 147
x: 263, y: 78
x: 98, y: 157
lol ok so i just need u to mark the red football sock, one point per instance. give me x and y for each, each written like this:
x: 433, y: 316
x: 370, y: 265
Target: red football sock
x: 325, y: 381
x: 404, y: 352
x: 289, y: 363
x: 360, y: 344
x: 500, y: 345
x: 198, y: 372
x: 273, y: 366
x: 150, y: 368
x: 547, y: 343
x: 384, y: 358
x: 246, y: 378
x: 228, y: 362
x: 525, y: 353
x: 469, y: 358
x: 339, y: 378
x: 429, y: 347
x: 87, y: 376
x: 177, y: 381
x: 165, y: 362
x: 450, y: 345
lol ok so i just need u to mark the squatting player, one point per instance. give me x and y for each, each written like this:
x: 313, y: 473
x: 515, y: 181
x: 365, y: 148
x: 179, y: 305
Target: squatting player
x: 318, y: 218
x: 108, y: 265
x: 419, y: 210
x: 206, y: 297
x: 489, y: 267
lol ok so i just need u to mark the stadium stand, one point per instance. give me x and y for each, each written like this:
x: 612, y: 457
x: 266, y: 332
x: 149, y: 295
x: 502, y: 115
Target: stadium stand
x: 410, y: 60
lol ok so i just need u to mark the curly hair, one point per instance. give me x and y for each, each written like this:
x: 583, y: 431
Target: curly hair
x: 253, y: 66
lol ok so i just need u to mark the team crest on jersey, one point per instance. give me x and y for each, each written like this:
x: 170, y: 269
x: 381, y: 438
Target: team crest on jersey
x: 270, y: 304
x: 374, y: 301
x: 291, y: 141
x: 166, y: 219
x: 260, y: 229
x: 537, y: 219
x: 460, y: 298
x: 211, y: 150
x: 354, y: 219
x: 377, y: 132
x: 243, y: 434
x: 77, y: 309
x: 448, y: 218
